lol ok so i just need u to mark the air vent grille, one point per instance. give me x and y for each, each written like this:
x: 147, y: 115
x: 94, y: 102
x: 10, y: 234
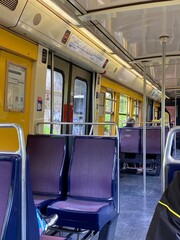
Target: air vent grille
x: 10, y: 4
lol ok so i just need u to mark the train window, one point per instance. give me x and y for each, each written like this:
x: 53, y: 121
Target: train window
x: 109, y: 112
x: 149, y: 110
x: 53, y: 101
x: 80, y: 103
x: 123, y: 110
x: 136, y: 110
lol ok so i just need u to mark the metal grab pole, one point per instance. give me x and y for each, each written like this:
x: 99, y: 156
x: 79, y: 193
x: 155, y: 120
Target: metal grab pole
x: 144, y: 129
x: 163, y: 40
x: 52, y: 86
x: 175, y: 123
x: 175, y: 111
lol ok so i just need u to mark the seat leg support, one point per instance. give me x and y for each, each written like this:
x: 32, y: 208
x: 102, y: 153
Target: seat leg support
x: 108, y: 231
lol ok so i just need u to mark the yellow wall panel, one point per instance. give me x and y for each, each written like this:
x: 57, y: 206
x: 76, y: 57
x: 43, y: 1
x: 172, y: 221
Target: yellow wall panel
x: 18, y: 45
x: 8, y: 141
x: 120, y: 89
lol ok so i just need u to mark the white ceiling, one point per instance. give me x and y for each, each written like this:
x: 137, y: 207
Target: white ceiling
x: 134, y: 29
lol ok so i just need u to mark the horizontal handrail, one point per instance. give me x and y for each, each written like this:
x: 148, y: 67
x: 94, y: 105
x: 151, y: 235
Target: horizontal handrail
x: 92, y: 124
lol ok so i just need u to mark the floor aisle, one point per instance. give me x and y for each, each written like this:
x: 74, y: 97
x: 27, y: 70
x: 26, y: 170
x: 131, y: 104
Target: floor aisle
x: 136, y: 209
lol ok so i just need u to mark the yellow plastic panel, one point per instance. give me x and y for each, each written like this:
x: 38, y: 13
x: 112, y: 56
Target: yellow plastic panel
x: 18, y: 45
x: 8, y: 139
x: 120, y: 89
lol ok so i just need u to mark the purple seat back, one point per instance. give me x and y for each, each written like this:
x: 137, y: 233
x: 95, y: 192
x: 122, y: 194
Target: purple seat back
x: 153, y: 140
x: 129, y: 140
x: 47, y: 158
x: 92, y: 167
x: 5, y: 186
x: 10, y: 196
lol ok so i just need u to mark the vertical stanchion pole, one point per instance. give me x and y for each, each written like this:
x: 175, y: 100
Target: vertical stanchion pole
x: 175, y: 105
x: 163, y: 40
x: 52, y: 91
x: 144, y: 129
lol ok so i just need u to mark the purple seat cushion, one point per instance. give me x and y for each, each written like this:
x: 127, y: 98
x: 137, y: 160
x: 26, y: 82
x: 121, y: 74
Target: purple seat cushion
x: 84, y: 214
x: 42, y: 201
x: 45, y: 237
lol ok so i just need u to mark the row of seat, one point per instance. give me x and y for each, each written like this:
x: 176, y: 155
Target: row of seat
x: 131, y: 145
x: 76, y: 178
x: 131, y: 140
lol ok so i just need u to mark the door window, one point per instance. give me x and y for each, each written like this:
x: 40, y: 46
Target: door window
x: 79, y: 108
x: 53, y: 101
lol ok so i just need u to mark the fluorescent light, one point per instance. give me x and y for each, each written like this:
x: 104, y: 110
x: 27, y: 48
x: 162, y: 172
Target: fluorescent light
x: 122, y: 62
x: 136, y: 73
x: 149, y: 83
x: 61, y: 12
x: 95, y: 39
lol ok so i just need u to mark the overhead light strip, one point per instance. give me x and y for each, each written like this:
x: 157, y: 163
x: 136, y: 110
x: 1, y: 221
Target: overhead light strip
x: 95, y: 40
x: 121, y: 61
x: 60, y: 11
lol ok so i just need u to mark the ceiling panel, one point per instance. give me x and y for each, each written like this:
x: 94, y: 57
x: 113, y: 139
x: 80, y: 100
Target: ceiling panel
x: 135, y: 27
x: 89, y: 5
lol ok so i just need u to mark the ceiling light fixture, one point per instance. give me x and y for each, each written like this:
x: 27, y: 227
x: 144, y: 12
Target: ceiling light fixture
x: 122, y: 62
x: 60, y: 11
x: 95, y: 40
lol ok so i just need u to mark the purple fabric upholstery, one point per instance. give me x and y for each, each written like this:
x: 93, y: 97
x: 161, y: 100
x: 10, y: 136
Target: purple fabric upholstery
x: 130, y: 140
x: 10, y: 196
x: 153, y: 140
x: 80, y: 205
x: 92, y: 215
x: 91, y: 168
x: 47, y: 167
x: 90, y: 203
x: 10, y: 199
x: 47, y: 155
x: 5, y: 184
x: 45, y: 237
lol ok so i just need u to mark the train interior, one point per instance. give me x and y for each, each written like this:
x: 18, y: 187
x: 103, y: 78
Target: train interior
x: 72, y: 73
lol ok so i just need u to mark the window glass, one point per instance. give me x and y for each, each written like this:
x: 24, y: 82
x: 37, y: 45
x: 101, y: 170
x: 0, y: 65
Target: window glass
x: 136, y: 110
x: 123, y: 110
x: 54, y: 96
x: 109, y: 112
x: 79, y: 108
x: 47, y: 108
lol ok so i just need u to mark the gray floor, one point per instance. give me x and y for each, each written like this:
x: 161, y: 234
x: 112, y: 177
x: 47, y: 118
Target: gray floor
x: 136, y: 209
